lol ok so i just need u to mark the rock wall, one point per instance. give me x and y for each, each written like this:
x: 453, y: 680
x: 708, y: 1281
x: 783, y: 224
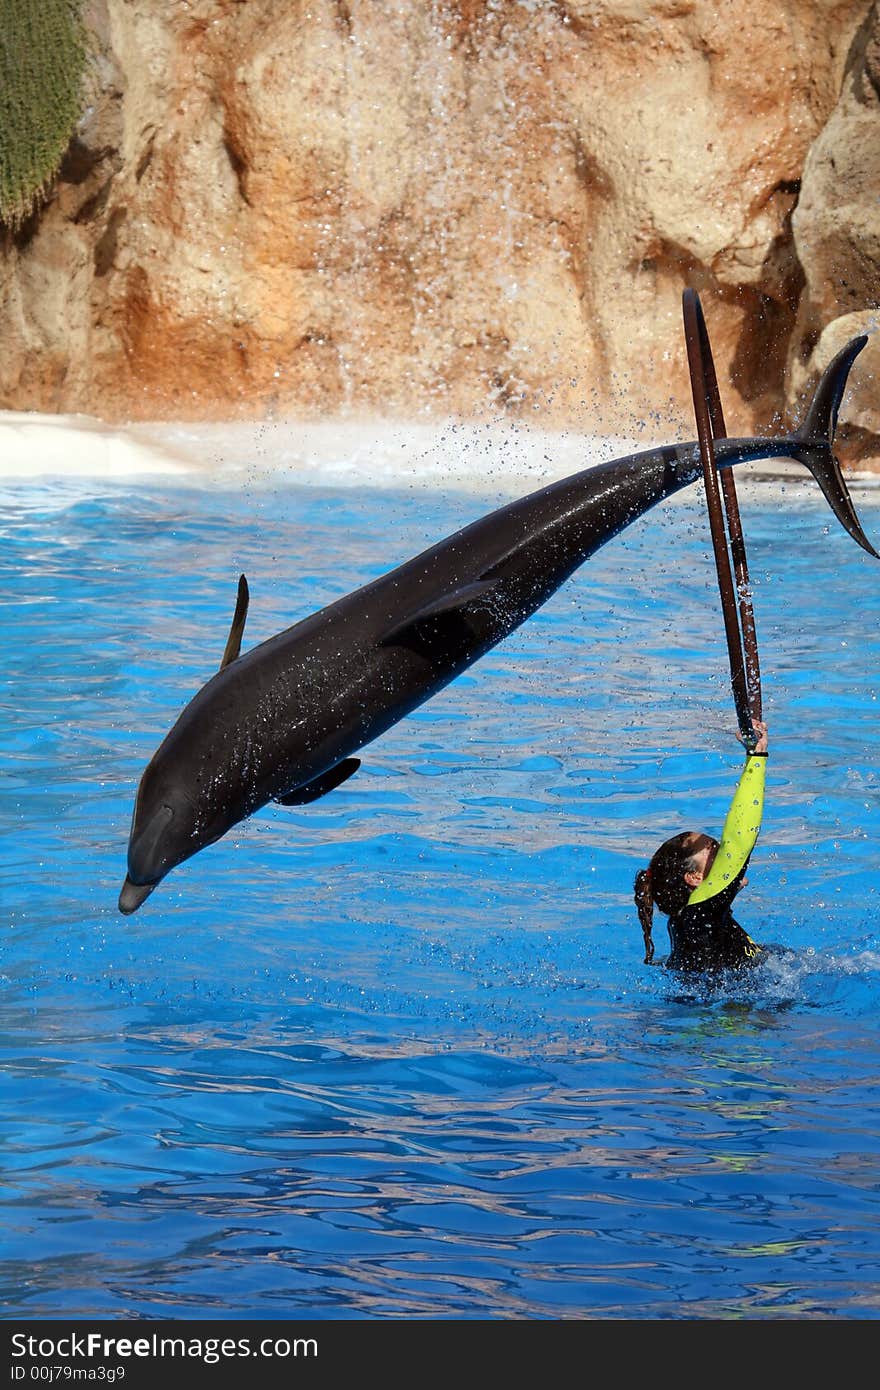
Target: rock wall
x: 836, y: 227
x: 434, y: 207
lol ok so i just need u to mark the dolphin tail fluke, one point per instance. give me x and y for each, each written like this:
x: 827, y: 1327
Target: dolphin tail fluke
x: 815, y: 439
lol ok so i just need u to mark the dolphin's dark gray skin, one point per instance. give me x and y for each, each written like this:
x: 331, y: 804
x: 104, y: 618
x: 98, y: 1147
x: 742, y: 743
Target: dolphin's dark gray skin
x: 282, y: 722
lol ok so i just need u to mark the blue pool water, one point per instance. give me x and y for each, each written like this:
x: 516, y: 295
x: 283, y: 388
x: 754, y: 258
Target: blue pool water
x: 396, y: 1054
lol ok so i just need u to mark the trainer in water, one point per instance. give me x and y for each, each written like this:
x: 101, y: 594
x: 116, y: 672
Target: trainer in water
x: 282, y: 721
x: 694, y: 879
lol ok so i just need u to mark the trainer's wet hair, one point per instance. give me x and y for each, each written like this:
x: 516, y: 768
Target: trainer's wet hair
x: 663, y: 882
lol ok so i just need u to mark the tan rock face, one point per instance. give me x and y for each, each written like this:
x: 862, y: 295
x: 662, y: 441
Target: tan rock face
x: 451, y: 206
x: 837, y: 239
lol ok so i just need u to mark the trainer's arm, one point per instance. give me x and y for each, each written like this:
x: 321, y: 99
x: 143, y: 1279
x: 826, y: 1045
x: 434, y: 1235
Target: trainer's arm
x: 741, y: 826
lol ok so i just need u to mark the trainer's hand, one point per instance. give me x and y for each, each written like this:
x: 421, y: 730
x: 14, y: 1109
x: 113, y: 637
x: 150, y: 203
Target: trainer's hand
x: 760, y: 729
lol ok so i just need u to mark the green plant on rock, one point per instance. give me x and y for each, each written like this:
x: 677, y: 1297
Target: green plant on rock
x: 43, y: 56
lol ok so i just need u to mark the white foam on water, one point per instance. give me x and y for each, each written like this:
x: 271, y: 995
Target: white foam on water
x: 380, y: 453
x: 341, y: 453
x: 500, y: 456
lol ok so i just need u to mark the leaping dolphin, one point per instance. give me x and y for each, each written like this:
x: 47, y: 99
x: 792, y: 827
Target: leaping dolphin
x: 282, y: 722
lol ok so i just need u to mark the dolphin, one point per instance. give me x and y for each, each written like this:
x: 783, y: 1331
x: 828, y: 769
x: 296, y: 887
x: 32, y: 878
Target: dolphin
x: 281, y: 722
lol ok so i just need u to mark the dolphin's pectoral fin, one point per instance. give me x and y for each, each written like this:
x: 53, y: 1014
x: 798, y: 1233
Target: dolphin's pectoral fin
x: 233, y: 642
x: 443, y: 620
x: 327, y: 781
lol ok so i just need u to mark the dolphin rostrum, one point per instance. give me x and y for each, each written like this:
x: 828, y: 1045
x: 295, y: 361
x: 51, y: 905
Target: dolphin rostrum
x: 283, y: 721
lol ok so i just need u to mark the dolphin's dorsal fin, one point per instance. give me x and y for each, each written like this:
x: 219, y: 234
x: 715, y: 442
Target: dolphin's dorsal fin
x: 416, y: 627
x: 233, y: 642
x: 320, y: 786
